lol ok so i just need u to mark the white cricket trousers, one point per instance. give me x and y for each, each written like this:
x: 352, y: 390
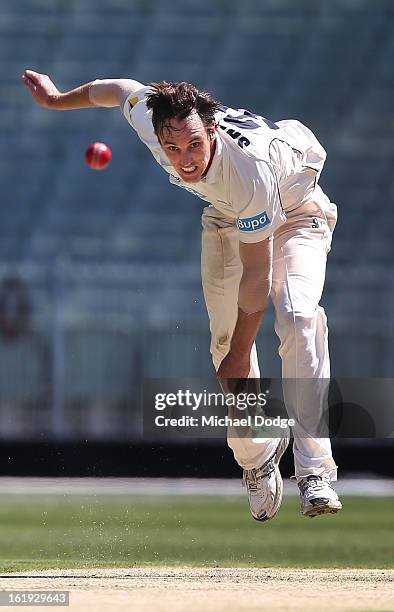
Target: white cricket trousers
x: 300, y: 248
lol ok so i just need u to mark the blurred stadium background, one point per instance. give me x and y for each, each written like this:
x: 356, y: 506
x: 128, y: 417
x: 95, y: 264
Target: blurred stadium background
x: 99, y: 272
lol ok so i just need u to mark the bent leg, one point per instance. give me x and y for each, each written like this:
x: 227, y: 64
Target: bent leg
x: 221, y: 271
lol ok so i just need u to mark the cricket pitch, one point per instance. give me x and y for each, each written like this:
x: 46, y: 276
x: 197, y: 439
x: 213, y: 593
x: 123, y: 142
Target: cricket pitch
x: 213, y: 589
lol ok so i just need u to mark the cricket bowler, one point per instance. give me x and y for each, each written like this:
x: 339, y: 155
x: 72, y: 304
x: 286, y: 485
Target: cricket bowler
x: 267, y: 229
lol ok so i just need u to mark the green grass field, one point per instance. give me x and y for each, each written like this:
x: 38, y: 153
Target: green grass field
x: 70, y: 532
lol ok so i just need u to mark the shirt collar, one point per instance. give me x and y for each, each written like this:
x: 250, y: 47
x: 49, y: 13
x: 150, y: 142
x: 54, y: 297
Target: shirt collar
x: 211, y: 175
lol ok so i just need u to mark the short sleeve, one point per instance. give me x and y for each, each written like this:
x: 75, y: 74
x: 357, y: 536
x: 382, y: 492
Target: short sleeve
x: 264, y: 213
x: 140, y: 118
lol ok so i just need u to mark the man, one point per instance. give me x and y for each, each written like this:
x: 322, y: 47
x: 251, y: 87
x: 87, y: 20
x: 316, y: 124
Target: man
x: 266, y: 232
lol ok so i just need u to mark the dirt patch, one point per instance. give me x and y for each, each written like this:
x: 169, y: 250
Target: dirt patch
x: 213, y: 589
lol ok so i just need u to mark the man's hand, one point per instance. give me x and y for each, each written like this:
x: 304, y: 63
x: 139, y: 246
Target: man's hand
x: 41, y: 87
x: 233, y: 373
x: 234, y: 366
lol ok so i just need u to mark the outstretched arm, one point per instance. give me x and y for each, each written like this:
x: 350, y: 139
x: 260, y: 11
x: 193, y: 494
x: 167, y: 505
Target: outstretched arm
x: 100, y: 93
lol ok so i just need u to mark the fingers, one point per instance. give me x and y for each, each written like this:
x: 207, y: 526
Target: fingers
x: 32, y: 74
x: 28, y: 82
x: 32, y: 79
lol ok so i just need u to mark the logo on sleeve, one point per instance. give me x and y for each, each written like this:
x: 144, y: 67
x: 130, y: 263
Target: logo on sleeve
x: 133, y: 101
x: 253, y: 224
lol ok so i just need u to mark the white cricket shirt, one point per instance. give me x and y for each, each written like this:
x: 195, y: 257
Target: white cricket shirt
x: 259, y: 171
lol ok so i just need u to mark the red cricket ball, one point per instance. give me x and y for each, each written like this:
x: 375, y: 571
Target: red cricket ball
x: 98, y: 155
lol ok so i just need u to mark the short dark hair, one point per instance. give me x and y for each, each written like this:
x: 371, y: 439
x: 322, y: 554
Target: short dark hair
x: 176, y: 101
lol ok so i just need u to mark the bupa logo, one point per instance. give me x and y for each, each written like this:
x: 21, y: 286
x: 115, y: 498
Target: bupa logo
x: 253, y: 224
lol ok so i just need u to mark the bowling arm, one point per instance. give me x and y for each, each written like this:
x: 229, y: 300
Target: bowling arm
x: 102, y: 93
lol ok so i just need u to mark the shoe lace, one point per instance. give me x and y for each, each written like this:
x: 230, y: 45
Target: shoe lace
x: 252, y: 478
x: 314, y: 483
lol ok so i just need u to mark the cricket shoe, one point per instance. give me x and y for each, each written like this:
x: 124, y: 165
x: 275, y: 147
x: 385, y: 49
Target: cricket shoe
x: 318, y: 496
x: 265, y: 485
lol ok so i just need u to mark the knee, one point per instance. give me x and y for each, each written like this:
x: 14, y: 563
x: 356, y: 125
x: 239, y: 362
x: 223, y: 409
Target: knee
x: 220, y: 346
x: 300, y: 326
x: 222, y: 329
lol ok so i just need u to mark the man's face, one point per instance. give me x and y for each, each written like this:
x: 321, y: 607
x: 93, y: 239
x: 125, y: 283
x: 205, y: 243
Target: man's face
x: 189, y: 146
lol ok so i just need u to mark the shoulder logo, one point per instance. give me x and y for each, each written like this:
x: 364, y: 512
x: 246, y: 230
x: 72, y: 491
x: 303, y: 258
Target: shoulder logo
x: 133, y: 101
x: 253, y: 224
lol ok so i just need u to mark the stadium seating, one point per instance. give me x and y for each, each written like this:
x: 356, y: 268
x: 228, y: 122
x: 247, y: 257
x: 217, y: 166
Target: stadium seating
x: 328, y: 64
